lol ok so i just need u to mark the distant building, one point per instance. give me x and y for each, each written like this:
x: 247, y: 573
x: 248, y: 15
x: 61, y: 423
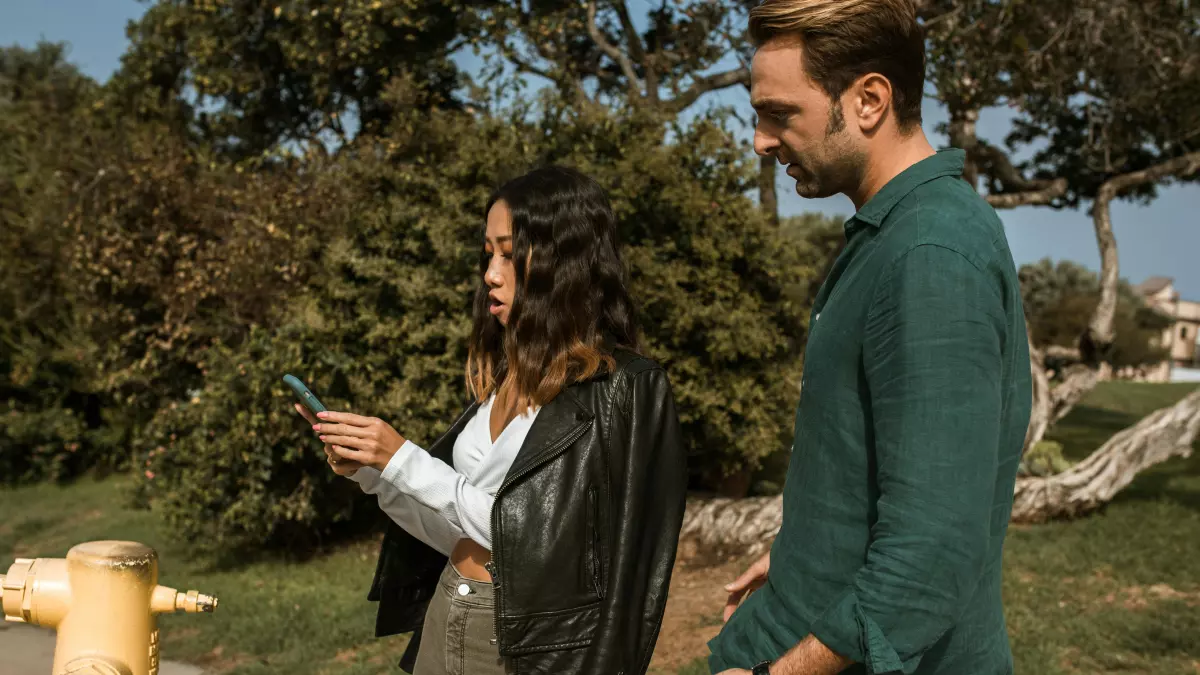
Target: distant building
x: 1182, y: 338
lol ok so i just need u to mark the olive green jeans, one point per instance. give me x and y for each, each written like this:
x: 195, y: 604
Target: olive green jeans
x: 457, y: 638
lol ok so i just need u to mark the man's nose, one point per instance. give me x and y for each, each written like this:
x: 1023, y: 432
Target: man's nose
x: 764, y: 144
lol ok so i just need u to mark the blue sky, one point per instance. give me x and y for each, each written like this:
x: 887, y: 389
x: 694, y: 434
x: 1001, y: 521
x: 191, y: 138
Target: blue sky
x: 1160, y: 239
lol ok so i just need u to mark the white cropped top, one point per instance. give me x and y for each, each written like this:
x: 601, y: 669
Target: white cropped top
x: 440, y: 504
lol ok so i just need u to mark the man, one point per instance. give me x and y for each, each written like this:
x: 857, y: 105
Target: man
x: 916, y: 390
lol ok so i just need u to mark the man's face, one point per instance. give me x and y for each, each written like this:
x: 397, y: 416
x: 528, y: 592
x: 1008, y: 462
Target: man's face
x: 799, y: 125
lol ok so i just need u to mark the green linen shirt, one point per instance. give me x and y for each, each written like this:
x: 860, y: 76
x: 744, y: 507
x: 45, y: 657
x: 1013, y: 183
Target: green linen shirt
x: 914, y: 403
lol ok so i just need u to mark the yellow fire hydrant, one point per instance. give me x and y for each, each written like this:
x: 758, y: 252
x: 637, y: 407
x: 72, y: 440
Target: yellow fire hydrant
x: 102, y: 599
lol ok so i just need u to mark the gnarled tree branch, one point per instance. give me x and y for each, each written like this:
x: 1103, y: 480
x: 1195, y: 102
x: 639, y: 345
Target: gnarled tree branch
x: 1170, y: 432
x: 1043, y: 196
x: 636, y: 50
x: 1099, y: 334
x: 748, y: 526
x: 983, y: 158
x: 622, y: 59
x: 703, y: 85
x: 1015, y: 189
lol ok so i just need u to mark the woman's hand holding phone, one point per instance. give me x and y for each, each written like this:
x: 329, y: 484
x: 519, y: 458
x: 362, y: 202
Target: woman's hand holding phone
x: 342, y: 467
x: 367, y: 441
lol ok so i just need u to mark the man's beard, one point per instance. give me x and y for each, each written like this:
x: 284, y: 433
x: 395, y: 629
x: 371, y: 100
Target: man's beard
x: 836, y: 168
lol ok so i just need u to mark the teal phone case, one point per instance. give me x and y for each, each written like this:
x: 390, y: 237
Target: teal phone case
x: 306, y: 397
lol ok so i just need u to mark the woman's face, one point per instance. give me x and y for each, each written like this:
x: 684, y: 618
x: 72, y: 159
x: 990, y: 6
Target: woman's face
x: 500, y: 275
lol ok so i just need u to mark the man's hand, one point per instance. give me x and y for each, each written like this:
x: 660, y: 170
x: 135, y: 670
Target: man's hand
x: 368, y: 441
x: 751, y: 580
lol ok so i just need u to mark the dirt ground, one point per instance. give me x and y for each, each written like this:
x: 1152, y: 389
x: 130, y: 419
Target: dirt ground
x: 693, y: 612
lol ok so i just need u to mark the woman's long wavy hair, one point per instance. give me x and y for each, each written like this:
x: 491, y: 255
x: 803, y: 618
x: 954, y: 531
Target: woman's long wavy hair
x: 571, y: 295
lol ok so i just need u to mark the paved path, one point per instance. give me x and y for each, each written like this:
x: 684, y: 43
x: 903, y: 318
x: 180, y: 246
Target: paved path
x: 29, y: 650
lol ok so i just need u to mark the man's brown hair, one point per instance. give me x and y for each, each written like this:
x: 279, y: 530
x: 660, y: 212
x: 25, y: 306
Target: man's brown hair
x: 843, y: 40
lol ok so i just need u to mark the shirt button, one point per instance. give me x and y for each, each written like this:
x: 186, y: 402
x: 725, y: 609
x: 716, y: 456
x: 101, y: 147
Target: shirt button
x: 464, y: 589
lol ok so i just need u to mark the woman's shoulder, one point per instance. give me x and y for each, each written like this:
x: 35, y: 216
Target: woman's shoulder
x: 630, y: 363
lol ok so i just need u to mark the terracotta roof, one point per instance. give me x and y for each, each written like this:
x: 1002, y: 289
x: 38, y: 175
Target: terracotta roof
x: 1153, y: 285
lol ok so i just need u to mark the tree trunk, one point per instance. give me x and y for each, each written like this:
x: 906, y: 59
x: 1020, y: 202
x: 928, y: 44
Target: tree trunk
x: 1083, y: 488
x: 749, y: 525
x: 1043, y: 405
x: 721, y: 525
x: 1095, y: 344
x: 963, y: 135
x: 766, y: 188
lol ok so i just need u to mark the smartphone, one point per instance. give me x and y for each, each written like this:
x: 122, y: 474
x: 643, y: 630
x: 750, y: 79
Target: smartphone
x: 306, y: 397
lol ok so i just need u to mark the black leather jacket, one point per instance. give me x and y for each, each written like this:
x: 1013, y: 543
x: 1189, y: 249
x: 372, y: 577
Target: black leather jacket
x: 584, y: 531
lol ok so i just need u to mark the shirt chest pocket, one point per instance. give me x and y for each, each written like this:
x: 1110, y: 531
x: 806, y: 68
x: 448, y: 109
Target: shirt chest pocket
x: 833, y: 352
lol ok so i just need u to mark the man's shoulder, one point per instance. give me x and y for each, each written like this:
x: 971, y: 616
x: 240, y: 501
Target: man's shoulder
x: 947, y: 213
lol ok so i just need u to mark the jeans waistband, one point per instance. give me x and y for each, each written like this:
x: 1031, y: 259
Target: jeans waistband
x: 464, y: 590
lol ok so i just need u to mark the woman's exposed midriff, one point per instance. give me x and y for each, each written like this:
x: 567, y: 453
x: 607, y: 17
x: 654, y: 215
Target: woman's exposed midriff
x: 469, y: 558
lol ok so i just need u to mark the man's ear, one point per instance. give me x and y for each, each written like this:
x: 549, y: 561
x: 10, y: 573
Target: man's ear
x: 871, y: 101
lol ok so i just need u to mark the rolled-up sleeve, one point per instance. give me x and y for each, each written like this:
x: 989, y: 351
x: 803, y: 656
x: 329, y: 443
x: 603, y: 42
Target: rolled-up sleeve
x: 932, y: 357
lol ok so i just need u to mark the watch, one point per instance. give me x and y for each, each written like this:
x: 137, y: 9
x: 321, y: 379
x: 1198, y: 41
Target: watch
x: 763, y: 668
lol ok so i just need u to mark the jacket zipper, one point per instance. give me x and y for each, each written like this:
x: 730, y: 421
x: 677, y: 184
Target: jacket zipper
x: 491, y: 568
x: 593, y: 537
x: 491, y: 565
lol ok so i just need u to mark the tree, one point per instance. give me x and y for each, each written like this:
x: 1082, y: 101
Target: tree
x: 255, y: 74
x: 595, y: 52
x: 1059, y: 300
x: 49, y: 408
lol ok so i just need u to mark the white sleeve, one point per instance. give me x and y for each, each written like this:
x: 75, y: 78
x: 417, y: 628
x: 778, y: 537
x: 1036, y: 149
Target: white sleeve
x: 416, y: 519
x: 445, y: 491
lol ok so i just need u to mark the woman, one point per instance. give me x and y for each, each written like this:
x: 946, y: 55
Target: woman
x: 538, y: 534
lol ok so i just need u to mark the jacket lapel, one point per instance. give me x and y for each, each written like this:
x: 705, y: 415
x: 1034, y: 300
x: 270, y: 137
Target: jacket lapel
x: 558, y: 424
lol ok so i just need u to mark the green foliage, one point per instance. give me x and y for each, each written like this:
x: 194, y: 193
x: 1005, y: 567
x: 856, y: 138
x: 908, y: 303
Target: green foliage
x: 1045, y: 458
x: 1085, y: 112
x: 49, y: 410
x: 175, y: 249
x: 235, y: 465
x: 664, y: 67
x: 1059, y: 300
x: 124, y: 251
x: 295, y: 70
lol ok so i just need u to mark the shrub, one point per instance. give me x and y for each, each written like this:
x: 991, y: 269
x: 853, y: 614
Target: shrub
x: 234, y: 467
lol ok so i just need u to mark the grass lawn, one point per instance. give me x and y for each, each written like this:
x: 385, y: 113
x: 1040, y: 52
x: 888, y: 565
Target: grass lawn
x: 273, y: 617
x: 1117, y: 592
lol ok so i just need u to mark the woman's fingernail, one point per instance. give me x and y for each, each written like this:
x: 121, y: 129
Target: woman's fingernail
x: 316, y: 427
x: 321, y: 437
x: 322, y: 415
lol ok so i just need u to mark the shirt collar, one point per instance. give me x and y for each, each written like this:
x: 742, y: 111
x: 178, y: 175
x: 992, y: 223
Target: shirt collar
x: 944, y: 163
